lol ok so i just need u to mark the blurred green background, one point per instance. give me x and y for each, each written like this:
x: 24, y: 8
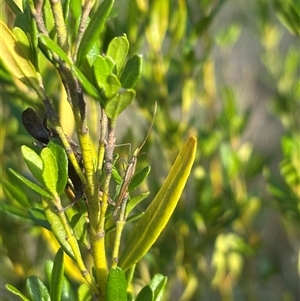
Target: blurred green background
x: 228, y: 73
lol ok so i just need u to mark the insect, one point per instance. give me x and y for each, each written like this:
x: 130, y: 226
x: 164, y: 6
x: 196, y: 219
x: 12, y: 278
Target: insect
x: 37, y: 128
x: 130, y: 170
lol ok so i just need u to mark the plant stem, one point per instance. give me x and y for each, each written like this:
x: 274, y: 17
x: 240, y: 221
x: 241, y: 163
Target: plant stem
x: 119, y: 229
x: 60, y: 24
x: 88, y: 5
x: 70, y: 238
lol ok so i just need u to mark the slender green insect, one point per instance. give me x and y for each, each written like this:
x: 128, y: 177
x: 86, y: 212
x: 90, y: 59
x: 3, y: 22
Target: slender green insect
x: 130, y: 169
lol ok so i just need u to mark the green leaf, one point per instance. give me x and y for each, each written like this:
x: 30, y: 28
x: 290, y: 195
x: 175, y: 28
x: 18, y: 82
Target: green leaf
x: 62, y: 164
x: 117, y: 50
x: 30, y: 184
x: 288, y: 15
x: 21, y: 21
x: 135, y: 201
x: 15, y: 59
x: 119, y: 103
x: 94, y: 29
x: 146, y: 294
x: 132, y: 72
x: 34, y: 162
x: 139, y: 178
x: 39, y: 217
x: 79, y: 226
x: 11, y: 208
x: 103, y: 66
x: 48, y: 18
x: 54, y: 47
x: 76, y: 8
x: 50, y: 170
x: 16, y: 193
x: 37, y: 289
x: 157, y: 285
x: 15, y: 291
x: 112, y: 86
x: 22, y: 40
x: 116, y: 286
x: 56, y: 226
x: 67, y: 291
x: 14, y: 7
x: 161, y: 208
x: 87, y: 85
x: 57, y: 276
x: 116, y: 176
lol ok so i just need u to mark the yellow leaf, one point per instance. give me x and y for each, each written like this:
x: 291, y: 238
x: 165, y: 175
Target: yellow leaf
x: 160, y: 210
x: 15, y: 58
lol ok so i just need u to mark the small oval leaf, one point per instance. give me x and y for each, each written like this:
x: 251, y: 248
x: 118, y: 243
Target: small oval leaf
x: 103, y: 67
x: 37, y: 289
x: 116, y: 286
x: 117, y: 50
x: 132, y: 72
x: 119, y: 103
x: 50, y: 170
x: 34, y: 162
x: 94, y: 29
x: 62, y: 164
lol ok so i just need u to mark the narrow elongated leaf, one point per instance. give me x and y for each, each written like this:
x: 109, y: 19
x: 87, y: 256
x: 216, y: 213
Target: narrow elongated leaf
x: 39, y: 217
x: 135, y: 201
x: 160, y: 210
x: 37, y: 289
x: 87, y: 85
x: 112, y: 86
x: 16, y: 192
x: 117, y: 50
x: 132, y: 72
x: 94, y: 29
x: 62, y: 164
x: 15, y: 291
x: 119, y: 103
x: 14, y: 7
x: 48, y: 18
x: 139, y: 178
x: 52, y: 46
x: 30, y: 184
x: 16, y: 60
x: 50, y: 170
x: 116, y: 286
x: 34, y: 162
x: 68, y: 293
x: 57, y: 276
